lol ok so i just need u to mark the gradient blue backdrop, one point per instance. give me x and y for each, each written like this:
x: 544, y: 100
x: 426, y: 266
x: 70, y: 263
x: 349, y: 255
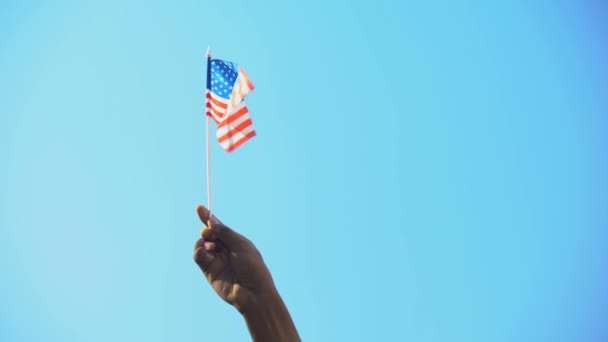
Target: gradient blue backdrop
x: 423, y: 170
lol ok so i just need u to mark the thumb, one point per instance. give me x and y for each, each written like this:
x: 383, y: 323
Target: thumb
x: 203, y: 213
x: 228, y: 236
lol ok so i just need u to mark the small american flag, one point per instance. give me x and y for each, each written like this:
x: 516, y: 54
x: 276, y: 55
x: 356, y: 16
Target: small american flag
x: 227, y: 86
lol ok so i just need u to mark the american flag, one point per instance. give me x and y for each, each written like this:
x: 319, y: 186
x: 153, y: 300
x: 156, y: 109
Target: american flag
x: 227, y: 86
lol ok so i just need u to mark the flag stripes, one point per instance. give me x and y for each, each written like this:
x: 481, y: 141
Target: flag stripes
x: 229, y: 112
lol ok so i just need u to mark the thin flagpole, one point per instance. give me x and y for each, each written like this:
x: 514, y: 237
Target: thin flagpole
x: 208, y: 131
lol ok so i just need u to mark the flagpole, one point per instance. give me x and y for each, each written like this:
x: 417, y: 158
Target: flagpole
x: 208, y: 131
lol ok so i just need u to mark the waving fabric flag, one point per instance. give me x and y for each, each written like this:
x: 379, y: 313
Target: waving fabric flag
x: 227, y: 86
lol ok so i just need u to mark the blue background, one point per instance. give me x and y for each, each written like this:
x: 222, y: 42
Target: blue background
x: 423, y: 170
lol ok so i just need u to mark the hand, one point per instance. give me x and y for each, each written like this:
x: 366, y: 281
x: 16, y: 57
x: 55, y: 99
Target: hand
x: 236, y: 271
x: 232, y: 264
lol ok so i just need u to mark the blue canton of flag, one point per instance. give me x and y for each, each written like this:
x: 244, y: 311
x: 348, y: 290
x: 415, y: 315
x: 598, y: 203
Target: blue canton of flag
x: 223, y: 77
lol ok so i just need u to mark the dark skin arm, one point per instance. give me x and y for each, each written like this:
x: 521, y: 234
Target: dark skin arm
x: 236, y: 271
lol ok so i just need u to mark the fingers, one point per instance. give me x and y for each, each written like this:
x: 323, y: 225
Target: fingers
x: 228, y: 236
x: 209, y: 246
x: 207, y: 234
x: 207, y: 257
x: 203, y: 258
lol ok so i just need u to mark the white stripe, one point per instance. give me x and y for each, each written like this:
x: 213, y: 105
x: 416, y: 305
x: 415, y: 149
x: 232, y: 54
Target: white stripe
x: 246, y: 80
x: 218, y: 99
x: 242, y: 85
x: 236, y: 137
x: 235, y: 97
x: 221, y: 110
x: 230, y: 110
x: 245, y: 86
x: 218, y: 109
x: 212, y: 114
x: 231, y: 126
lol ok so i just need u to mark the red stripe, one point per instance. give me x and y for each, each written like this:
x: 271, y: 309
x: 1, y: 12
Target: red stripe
x: 209, y: 114
x: 217, y: 102
x: 234, y: 116
x: 235, y: 130
x: 215, y: 114
x: 240, y: 142
x: 215, y: 111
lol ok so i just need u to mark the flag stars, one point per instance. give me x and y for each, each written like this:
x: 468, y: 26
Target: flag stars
x: 223, y: 77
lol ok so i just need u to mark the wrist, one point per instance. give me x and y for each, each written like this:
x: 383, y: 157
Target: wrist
x: 268, y: 318
x: 260, y: 302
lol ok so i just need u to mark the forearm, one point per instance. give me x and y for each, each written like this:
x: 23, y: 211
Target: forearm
x: 268, y: 320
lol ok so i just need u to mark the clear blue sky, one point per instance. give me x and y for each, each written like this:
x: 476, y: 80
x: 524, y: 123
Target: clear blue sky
x: 423, y: 171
